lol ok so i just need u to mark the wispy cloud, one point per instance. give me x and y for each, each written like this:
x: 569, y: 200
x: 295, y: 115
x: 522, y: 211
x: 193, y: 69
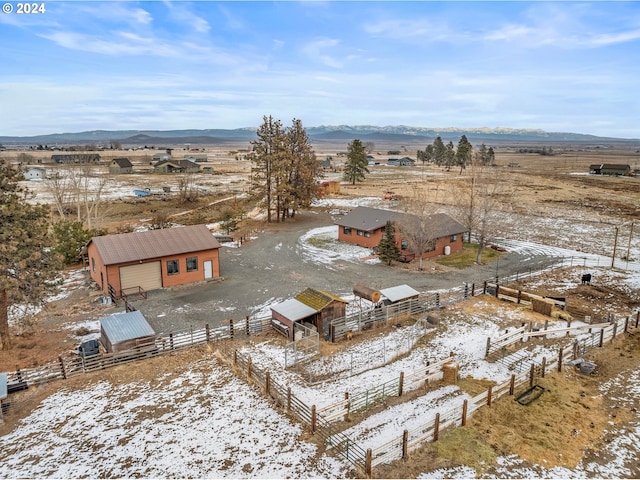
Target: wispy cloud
x: 317, y: 52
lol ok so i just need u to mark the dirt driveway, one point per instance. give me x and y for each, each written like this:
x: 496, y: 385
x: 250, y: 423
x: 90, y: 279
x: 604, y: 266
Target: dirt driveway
x: 273, y: 267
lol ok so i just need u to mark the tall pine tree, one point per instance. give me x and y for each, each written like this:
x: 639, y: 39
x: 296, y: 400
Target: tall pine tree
x: 388, y: 251
x: 355, y: 167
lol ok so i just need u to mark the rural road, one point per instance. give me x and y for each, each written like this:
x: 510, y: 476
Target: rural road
x: 274, y: 267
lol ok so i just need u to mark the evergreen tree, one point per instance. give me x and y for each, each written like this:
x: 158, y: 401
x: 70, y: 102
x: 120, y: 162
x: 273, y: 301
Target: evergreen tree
x: 356, y: 165
x: 439, y: 151
x: 388, y: 251
x: 28, y: 264
x: 464, y: 152
x: 266, y: 172
x: 71, y: 237
x: 450, y: 155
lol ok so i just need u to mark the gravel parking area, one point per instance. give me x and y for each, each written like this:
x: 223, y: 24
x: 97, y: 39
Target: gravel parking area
x: 277, y: 265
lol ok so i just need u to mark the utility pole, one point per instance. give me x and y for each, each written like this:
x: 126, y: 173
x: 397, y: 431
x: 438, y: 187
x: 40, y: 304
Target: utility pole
x: 615, y: 244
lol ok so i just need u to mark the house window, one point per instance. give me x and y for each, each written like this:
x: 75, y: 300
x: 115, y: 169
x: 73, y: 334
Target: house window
x: 404, y: 245
x: 454, y: 238
x: 359, y: 233
x: 192, y: 264
x: 172, y: 267
x: 93, y: 264
x: 346, y: 230
x: 367, y: 234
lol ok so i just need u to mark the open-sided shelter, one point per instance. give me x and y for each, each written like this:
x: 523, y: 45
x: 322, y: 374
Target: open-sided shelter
x: 125, y: 331
x: 153, y: 259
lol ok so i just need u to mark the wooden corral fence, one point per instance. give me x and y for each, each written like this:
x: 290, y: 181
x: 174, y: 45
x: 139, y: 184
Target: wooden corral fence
x: 301, y: 349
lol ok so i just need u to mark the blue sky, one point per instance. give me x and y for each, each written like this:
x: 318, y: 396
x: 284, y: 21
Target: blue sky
x: 556, y: 66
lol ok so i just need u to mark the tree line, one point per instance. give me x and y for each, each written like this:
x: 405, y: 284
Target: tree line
x: 451, y: 156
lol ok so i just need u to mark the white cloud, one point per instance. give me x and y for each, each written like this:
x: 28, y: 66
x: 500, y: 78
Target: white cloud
x: 315, y: 50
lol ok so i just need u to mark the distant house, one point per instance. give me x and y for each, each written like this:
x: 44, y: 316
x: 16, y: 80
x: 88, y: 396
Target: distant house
x: 176, y: 166
x: 610, y: 169
x: 35, y: 173
x: 76, y: 158
x: 201, y: 157
x: 154, y: 259
x: 313, y: 307
x: 364, y: 226
x: 121, y: 165
x: 402, y: 162
x: 161, y: 157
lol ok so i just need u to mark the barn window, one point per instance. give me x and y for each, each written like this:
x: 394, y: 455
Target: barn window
x: 192, y: 264
x: 359, y: 232
x: 367, y: 234
x: 172, y: 267
x: 404, y: 245
x: 346, y: 230
x: 454, y: 238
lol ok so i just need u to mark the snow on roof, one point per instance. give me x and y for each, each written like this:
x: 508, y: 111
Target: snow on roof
x: 126, y: 326
x: 293, y: 309
x: 401, y: 292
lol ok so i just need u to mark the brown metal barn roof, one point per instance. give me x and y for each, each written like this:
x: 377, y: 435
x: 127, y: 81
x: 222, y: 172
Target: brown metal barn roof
x: 369, y: 219
x: 131, y: 247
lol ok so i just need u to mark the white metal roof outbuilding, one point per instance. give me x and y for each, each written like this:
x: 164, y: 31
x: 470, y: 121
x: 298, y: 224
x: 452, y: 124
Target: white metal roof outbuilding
x: 126, y: 326
x: 293, y: 309
x: 399, y: 293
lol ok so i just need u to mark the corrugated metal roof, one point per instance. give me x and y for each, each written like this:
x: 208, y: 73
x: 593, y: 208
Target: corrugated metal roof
x: 131, y: 247
x: 370, y: 219
x: 126, y: 326
x: 399, y: 293
x: 3, y: 386
x: 293, y: 310
x: 317, y: 299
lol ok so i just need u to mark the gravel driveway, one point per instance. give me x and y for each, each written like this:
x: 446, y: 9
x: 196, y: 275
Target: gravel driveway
x: 274, y: 267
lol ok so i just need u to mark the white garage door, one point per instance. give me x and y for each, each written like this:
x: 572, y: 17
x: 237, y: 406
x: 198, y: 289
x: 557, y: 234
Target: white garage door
x: 145, y: 275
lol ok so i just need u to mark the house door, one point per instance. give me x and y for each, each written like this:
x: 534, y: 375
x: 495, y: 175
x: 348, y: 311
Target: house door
x: 208, y: 269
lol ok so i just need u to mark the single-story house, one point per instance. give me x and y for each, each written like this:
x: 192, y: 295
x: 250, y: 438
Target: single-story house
x: 176, y: 166
x: 199, y: 157
x: 161, y: 157
x: 364, y: 226
x: 124, y: 331
x: 315, y: 307
x: 153, y: 259
x: 610, y: 169
x: 35, y: 173
x: 121, y: 165
x: 402, y: 162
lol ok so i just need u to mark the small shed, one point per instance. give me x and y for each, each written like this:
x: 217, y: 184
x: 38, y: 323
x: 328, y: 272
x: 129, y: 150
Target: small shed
x: 121, y: 165
x: 315, y: 306
x: 35, y: 173
x: 397, y: 294
x: 125, y: 331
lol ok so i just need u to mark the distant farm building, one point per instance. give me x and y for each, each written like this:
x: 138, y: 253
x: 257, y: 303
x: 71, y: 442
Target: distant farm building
x: 312, y: 307
x: 35, y: 173
x: 121, y: 165
x: 402, y: 162
x: 161, y: 157
x: 76, y: 158
x: 364, y: 226
x: 122, y: 264
x: 610, y: 169
x: 200, y: 157
x: 176, y: 166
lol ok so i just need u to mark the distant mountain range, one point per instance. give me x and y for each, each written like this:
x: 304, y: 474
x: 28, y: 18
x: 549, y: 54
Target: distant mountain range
x: 399, y: 134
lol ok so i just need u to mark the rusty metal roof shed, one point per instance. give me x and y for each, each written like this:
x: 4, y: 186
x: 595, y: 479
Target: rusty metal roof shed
x: 131, y: 247
x: 126, y: 326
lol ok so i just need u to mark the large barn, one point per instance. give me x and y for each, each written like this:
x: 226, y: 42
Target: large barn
x: 153, y: 259
x: 364, y: 226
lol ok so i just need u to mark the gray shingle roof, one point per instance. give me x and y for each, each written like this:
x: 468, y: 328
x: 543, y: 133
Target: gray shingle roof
x: 370, y: 219
x: 131, y: 247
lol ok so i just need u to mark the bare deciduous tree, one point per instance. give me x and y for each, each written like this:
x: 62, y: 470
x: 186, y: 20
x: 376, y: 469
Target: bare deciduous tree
x: 419, y: 226
x: 187, y: 191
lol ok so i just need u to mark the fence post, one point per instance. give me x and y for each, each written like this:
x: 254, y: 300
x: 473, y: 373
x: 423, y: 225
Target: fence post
x: 436, y: 428
x: 246, y: 327
x: 171, y: 341
x: 544, y: 366
x: 473, y: 289
x: 615, y: 330
x: 267, y: 384
x: 405, y: 441
x: 601, y: 337
x: 489, y: 394
x: 637, y: 318
x: 532, y: 374
x: 64, y: 372
x: 519, y: 296
x: 348, y: 405
x: 568, y: 326
x: 466, y: 290
x: 249, y: 368
x: 206, y: 328
x: 486, y: 354
x: 235, y: 357
x: 497, y: 288
x: 231, y: 327
x: 560, y: 359
x: 438, y: 300
x: 288, y: 399
x: 313, y: 419
x: 401, y: 384
x: 512, y: 384
x: 626, y: 324
x: 332, y: 328
x: 367, y: 463
x: 465, y: 405
x: 484, y: 288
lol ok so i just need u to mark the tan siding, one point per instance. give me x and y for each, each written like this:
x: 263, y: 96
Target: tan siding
x: 145, y: 275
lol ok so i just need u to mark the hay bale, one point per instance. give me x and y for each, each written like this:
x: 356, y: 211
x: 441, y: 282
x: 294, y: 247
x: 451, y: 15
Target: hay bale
x: 450, y: 373
x: 542, y: 306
